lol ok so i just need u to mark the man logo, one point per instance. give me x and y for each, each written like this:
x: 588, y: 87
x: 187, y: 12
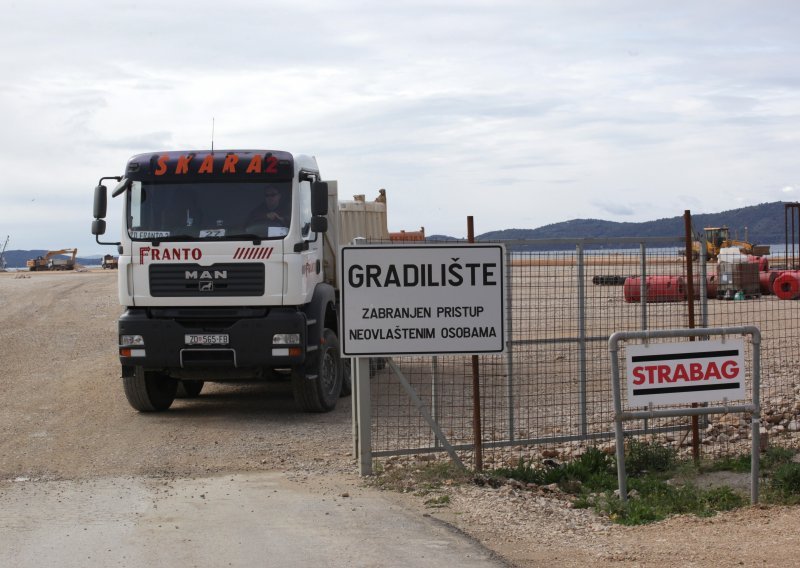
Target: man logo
x: 206, y: 286
x: 205, y: 275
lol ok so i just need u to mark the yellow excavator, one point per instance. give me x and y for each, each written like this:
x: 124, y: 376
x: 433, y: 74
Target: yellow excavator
x: 49, y: 262
x: 719, y: 237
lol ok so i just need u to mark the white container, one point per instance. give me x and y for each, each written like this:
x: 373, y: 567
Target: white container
x: 731, y: 254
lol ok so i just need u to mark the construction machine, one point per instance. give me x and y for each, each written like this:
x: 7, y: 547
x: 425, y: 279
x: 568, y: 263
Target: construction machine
x: 110, y: 261
x: 3, y: 255
x: 50, y: 262
x: 719, y: 237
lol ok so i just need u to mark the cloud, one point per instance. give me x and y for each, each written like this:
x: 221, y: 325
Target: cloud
x: 517, y: 113
x: 615, y: 209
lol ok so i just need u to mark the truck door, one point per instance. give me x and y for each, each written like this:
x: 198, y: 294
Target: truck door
x: 311, y: 257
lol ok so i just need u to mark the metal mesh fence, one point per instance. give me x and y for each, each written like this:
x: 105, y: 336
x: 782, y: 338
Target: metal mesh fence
x: 550, y: 395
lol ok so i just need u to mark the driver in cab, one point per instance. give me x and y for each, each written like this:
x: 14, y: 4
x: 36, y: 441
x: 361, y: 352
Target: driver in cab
x: 270, y: 211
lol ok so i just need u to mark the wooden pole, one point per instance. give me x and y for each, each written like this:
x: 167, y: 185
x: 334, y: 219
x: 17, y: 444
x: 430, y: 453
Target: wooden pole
x: 476, y: 391
x: 687, y: 225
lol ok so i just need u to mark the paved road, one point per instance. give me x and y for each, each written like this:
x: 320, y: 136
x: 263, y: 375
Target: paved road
x: 244, y: 520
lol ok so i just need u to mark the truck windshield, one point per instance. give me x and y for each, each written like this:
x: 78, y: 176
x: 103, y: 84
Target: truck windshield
x: 211, y: 210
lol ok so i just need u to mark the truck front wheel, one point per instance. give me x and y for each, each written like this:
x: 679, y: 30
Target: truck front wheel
x: 318, y: 384
x: 149, y: 391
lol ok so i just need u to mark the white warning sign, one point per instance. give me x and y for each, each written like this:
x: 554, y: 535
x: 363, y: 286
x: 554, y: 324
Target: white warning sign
x: 673, y: 373
x: 422, y: 299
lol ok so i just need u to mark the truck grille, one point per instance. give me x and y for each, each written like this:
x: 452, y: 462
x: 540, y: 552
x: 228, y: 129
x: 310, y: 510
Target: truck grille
x: 193, y: 280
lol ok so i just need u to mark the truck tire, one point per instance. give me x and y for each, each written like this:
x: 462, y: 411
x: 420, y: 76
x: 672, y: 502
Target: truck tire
x: 376, y: 364
x: 189, y: 388
x: 318, y: 384
x: 347, y: 381
x: 149, y: 391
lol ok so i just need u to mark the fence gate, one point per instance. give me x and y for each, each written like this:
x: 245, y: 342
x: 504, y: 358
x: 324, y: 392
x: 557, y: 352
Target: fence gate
x: 548, y: 394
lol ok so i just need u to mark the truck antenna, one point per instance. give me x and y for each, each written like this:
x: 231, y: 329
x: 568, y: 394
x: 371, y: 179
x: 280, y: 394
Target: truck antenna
x: 212, y: 134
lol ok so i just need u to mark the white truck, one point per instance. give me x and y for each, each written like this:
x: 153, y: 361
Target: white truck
x: 219, y: 284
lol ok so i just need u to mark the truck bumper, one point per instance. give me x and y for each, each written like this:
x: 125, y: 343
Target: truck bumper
x: 250, y: 346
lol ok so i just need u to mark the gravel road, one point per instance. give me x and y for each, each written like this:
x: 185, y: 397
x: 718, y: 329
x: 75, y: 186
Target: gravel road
x: 66, y: 420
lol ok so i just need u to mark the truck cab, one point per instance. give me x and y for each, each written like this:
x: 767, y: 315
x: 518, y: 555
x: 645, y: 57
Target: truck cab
x: 222, y: 274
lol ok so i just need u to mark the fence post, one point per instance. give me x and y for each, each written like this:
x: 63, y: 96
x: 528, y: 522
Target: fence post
x: 435, y: 395
x: 509, y: 348
x: 703, y: 284
x: 364, y: 414
x: 476, y: 388
x: 687, y: 230
x: 755, y: 418
x: 643, y: 284
x: 582, y: 340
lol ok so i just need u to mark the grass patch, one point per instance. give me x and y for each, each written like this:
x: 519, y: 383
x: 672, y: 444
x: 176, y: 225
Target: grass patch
x: 660, y: 485
x: 783, y: 486
x: 655, y: 500
x: 594, y: 470
x: 736, y: 464
x: 645, y: 457
x: 439, y: 501
x: 772, y: 458
x: 419, y: 478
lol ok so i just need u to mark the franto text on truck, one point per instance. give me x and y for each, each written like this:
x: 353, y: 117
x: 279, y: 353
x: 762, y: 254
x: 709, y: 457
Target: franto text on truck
x: 227, y: 272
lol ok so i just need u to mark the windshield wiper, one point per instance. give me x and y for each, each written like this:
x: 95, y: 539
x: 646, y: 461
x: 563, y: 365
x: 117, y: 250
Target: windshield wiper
x: 173, y: 238
x: 243, y: 236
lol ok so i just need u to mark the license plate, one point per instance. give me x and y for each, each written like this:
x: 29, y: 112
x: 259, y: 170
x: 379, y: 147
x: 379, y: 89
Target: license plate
x: 206, y: 339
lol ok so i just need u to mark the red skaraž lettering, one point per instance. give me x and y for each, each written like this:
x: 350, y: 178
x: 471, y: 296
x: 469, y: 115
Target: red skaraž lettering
x: 187, y: 165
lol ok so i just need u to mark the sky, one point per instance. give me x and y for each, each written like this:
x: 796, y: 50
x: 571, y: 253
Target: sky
x: 518, y: 113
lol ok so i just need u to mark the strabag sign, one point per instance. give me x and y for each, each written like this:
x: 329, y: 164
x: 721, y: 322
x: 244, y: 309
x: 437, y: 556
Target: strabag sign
x: 422, y: 299
x: 675, y: 373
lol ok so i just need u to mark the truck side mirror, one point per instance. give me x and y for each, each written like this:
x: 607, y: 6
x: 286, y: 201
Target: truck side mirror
x: 98, y: 227
x: 100, y: 204
x: 319, y: 198
x: 319, y: 224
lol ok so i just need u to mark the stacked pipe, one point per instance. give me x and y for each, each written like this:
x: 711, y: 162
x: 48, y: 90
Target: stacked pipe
x: 766, y: 281
x: 661, y: 288
x: 787, y: 285
x: 762, y: 261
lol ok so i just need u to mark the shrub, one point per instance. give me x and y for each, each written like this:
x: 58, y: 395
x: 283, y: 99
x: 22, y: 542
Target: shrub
x: 785, y: 482
x: 648, y: 457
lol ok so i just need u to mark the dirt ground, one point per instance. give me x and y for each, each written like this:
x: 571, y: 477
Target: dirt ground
x: 66, y: 418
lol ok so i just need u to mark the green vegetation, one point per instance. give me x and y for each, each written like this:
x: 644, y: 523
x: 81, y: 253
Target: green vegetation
x: 594, y: 469
x: 644, y: 457
x: 659, y: 484
x: 423, y: 479
x: 439, y: 501
x: 783, y: 483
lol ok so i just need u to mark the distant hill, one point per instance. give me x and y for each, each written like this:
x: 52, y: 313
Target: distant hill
x: 763, y: 224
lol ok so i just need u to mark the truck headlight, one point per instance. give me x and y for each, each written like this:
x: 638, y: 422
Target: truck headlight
x: 131, y: 340
x: 286, y: 339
